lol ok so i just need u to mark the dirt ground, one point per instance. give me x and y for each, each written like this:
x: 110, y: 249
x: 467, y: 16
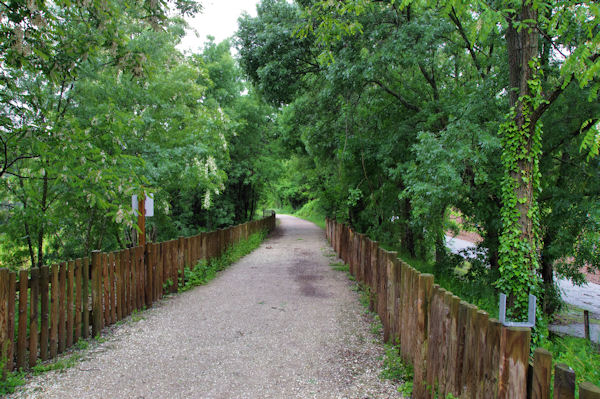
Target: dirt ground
x: 280, y: 323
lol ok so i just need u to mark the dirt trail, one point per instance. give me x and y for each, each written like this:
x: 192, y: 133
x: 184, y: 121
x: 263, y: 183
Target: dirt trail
x: 280, y: 323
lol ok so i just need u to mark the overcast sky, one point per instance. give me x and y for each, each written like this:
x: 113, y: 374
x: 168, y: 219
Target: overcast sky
x: 218, y: 19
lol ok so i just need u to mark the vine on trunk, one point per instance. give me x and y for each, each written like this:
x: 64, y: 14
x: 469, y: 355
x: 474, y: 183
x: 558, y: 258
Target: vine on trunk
x: 522, y: 148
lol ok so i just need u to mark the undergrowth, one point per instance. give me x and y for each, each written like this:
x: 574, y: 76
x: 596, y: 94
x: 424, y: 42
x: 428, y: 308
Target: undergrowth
x: 205, y: 271
x: 313, y: 212
x: 12, y: 380
x: 579, y: 354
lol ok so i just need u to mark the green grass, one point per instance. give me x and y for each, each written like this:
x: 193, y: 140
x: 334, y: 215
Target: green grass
x: 397, y: 370
x: 579, y: 354
x: 312, y: 212
x: 205, y: 271
x: 340, y: 266
x: 10, y: 381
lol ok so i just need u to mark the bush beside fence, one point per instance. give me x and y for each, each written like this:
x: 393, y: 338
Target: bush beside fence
x: 456, y: 349
x: 60, y: 304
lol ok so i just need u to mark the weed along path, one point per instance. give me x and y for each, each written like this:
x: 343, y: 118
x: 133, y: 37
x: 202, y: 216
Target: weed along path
x: 280, y: 323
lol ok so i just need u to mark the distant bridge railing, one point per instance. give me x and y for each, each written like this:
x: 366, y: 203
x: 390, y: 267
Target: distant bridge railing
x: 44, y: 311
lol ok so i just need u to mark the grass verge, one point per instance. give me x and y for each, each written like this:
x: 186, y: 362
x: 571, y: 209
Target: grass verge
x: 205, y: 271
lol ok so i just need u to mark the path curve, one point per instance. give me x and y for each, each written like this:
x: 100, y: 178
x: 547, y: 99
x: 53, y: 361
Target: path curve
x: 280, y: 323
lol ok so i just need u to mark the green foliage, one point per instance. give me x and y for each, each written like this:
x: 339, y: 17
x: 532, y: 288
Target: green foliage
x: 579, y: 354
x: 313, y: 212
x: 522, y: 147
x: 59, y: 365
x: 396, y: 369
x: 203, y: 272
x: 340, y: 266
x: 11, y: 381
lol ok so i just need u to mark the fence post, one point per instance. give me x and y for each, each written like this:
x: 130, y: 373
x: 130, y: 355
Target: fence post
x: 564, y: 382
x: 149, y: 280
x: 85, y: 329
x: 587, y: 390
x: 5, y: 342
x: 514, y: 361
x: 12, y: 294
x: 181, y: 246
x: 542, y: 372
x: 97, y: 311
x: 425, y: 286
x: 33, y: 316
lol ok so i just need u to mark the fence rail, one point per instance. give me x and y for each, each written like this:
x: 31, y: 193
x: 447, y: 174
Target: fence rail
x: 456, y: 349
x: 46, y: 310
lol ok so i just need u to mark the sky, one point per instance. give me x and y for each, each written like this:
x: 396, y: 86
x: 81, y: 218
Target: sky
x: 218, y: 19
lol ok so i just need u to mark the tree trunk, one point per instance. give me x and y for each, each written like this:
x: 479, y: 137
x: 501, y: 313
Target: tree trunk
x: 43, y: 209
x: 408, y: 238
x: 522, y: 49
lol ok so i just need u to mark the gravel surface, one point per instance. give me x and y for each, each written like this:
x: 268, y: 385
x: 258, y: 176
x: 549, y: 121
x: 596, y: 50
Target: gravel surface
x: 280, y: 323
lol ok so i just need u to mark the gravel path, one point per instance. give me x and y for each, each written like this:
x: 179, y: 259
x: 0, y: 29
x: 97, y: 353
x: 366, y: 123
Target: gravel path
x: 280, y: 323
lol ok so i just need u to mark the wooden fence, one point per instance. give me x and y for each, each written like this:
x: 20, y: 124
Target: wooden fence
x: 58, y: 305
x: 456, y: 349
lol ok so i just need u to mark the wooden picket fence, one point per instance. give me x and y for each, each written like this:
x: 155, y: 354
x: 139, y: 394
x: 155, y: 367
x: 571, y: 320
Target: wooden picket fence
x: 456, y: 349
x: 57, y: 305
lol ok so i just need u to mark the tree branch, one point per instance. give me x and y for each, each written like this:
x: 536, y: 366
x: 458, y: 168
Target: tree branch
x: 399, y: 97
x: 468, y: 45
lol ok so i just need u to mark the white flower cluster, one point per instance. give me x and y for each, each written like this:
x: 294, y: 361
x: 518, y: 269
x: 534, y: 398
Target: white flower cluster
x: 206, y: 203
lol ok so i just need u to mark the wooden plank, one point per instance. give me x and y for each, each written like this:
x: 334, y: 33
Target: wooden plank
x: 62, y: 308
x: 159, y: 269
x: 70, y: 303
x: 12, y: 293
x: 398, y: 300
x: 564, y: 382
x: 33, y: 316
x: 390, y: 337
x: 181, y: 247
x: 22, y: 332
x: 481, y: 325
x: 44, y: 308
x: 542, y: 373
x: 112, y: 273
x: 134, y: 279
x: 470, y: 350
x: 149, y: 285
x: 494, y: 330
x: 55, y: 310
x: 587, y: 390
x: 425, y: 285
x: 381, y: 285
x: 124, y: 284
x: 141, y: 276
x: 4, y: 319
x: 85, y: 288
x: 118, y: 286
x: 105, y: 291
x: 78, y: 296
x: 433, y: 340
x: 97, y: 311
x: 127, y: 280
x: 452, y: 345
x: 174, y: 263
x: 514, y: 361
x: 374, y: 277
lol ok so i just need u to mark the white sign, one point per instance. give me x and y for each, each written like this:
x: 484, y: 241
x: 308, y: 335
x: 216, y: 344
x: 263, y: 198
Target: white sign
x: 149, y: 204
